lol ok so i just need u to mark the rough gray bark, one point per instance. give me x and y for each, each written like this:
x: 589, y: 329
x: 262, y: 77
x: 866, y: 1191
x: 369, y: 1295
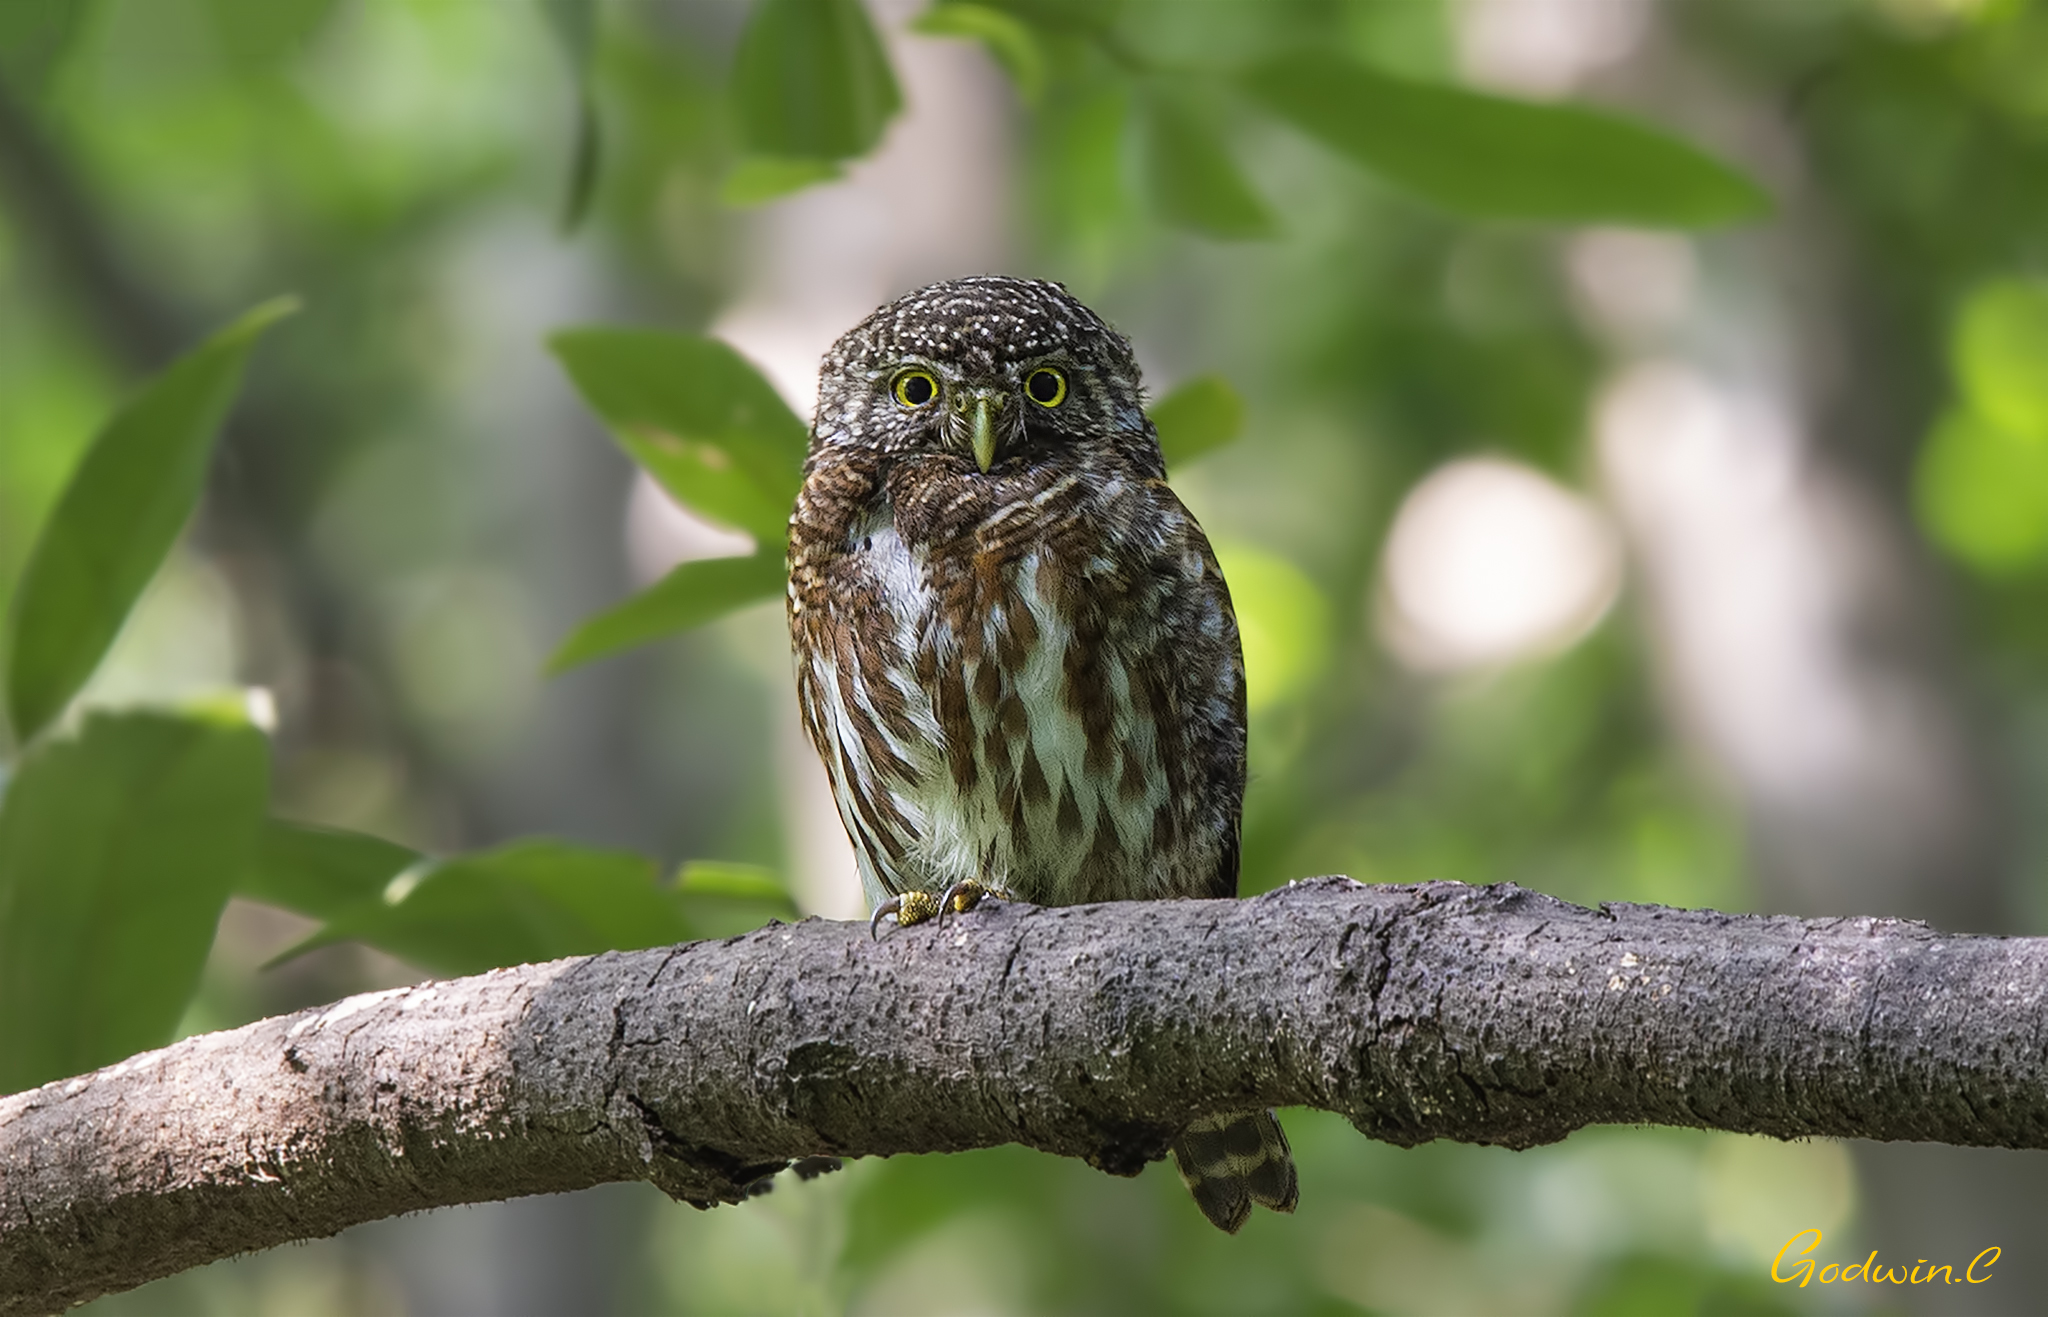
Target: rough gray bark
x: 1489, y: 1015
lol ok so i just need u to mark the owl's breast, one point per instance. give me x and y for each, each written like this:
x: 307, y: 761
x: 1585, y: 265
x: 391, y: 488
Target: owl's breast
x: 862, y: 616
x: 853, y: 575
x: 892, y: 578
x: 1007, y: 683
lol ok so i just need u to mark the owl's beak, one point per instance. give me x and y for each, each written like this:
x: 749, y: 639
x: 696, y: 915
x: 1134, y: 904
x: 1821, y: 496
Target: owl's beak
x: 985, y: 430
x: 984, y: 433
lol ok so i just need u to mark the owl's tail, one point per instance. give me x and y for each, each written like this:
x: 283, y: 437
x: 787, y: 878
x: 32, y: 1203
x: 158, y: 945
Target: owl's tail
x: 1230, y: 1162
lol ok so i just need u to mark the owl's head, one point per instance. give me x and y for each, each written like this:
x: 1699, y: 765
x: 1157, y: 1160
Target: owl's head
x: 1002, y: 373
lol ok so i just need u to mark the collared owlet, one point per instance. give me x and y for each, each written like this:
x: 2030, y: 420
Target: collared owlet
x: 1014, y: 650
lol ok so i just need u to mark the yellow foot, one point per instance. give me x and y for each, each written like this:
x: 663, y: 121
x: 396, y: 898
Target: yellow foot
x: 909, y: 908
x: 916, y: 907
x: 967, y: 894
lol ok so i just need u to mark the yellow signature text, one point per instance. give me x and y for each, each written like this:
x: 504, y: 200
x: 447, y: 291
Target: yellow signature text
x: 1802, y: 1267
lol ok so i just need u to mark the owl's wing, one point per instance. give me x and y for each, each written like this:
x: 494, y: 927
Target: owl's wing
x: 860, y: 701
x: 1219, y: 717
x: 854, y: 708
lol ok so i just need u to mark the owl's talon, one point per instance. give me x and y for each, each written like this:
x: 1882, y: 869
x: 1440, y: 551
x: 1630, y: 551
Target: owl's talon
x: 909, y: 908
x: 967, y: 894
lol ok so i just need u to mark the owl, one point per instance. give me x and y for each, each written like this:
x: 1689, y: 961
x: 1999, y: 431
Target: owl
x: 1013, y: 647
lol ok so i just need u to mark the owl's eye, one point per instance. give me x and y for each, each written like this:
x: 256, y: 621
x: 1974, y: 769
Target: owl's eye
x: 1047, y: 387
x: 915, y: 388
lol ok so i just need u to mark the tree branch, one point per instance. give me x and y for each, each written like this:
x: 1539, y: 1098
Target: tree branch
x: 1489, y: 1015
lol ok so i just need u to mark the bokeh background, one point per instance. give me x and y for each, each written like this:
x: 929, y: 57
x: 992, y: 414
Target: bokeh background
x: 1707, y: 568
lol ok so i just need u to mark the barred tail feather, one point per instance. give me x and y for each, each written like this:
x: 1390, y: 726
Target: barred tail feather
x: 1230, y: 1162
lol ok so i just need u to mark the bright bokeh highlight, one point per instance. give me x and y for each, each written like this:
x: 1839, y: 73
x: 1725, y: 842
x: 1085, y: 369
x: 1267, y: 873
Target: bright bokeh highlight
x: 1489, y: 562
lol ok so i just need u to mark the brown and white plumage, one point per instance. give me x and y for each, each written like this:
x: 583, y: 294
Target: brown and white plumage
x: 1014, y: 649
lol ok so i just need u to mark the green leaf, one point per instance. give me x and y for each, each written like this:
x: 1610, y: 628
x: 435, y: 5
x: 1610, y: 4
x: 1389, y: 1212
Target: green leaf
x: 691, y: 595
x: 127, y: 501
x: 1193, y: 181
x: 1202, y: 414
x: 584, y: 159
x: 735, y: 882
x: 1075, y: 17
x: 811, y: 80
x: 721, y: 900
x: 320, y: 872
x: 1007, y: 38
x: 699, y: 418
x: 117, y: 850
x: 574, y: 23
x: 522, y: 903
x: 1485, y: 155
x: 761, y: 178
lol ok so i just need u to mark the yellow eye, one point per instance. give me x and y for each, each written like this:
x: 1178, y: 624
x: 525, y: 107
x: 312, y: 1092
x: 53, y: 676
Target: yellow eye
x: 915, y: 388
x: 1046, y: 387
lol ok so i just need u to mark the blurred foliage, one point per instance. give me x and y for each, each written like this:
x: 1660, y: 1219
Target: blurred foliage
x: 1983, y: 478
x: 117, y: 851
x: 575, y: 24
x: 1352, y: 263
x: 1203, y: 413
x: 1486, y: 156
x: 810, y: 81
x: 126, y: 502
x: 516, y: 905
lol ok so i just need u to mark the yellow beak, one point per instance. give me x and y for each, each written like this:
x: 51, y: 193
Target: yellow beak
x: 984, y: 434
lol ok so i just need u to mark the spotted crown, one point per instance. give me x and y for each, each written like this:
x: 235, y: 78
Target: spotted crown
x: 992, y: 328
